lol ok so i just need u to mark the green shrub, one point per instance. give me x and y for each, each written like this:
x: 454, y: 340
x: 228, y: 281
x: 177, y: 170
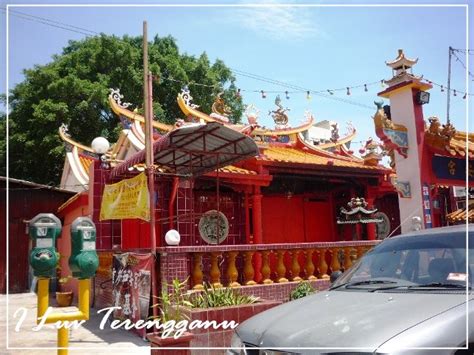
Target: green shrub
x: 303, y: 289
x: 212, y: 297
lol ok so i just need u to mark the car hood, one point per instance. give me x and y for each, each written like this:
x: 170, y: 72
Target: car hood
x: 344, y: 318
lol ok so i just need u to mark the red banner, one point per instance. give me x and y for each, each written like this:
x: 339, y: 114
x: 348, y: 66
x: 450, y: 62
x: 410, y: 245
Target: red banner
x: 131, y: 280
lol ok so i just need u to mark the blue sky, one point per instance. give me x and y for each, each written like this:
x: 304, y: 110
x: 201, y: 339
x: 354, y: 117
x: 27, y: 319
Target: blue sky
x: 315, y: 48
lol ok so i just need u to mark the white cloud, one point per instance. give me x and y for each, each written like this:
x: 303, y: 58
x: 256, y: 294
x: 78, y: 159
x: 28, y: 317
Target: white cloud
x: 279, y: 22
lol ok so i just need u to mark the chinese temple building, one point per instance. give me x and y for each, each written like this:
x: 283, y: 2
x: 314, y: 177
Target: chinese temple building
x: 271, y: 216
x: 290, y: 192
x: 275, y: 212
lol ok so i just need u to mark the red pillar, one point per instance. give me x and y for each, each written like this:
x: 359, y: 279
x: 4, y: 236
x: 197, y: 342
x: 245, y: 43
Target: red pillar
x: 257, y: 232
x: 257, y: 218
x: 247, y: 218
x: 371, y: 231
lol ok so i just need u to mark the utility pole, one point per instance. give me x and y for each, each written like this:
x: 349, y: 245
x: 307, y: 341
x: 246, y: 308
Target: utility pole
x: 148, y: 104
x: 148, y: 98
x: 449, y: 84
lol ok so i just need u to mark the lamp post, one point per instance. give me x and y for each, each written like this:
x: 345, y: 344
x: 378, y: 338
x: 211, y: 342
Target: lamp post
x: 100, y: 146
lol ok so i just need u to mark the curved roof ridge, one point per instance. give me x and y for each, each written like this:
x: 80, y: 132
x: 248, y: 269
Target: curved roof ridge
x: 191, y: 111
x: 321, y: 152
x: 63, y: 133
x: 121, y: 111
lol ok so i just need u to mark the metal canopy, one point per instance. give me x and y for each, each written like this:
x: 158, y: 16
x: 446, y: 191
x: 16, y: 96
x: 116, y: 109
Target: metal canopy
x: 195, y: 149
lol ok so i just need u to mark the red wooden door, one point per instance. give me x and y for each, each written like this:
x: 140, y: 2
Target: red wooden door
x: 282, y: 219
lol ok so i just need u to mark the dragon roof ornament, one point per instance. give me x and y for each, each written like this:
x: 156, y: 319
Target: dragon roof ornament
x: 188, y: 99
x: 219, y: 106
x: 117, y: 96
x: 394, y: 136
x: 279, y: 115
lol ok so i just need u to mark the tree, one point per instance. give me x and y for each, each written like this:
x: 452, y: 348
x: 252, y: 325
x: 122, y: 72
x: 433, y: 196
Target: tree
x: 73, y: 89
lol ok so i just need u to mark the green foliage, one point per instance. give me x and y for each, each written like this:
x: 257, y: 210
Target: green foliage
x: 303, y: 289
x: 212, y: 297
x: 73, y: 89
x: 171, y: 302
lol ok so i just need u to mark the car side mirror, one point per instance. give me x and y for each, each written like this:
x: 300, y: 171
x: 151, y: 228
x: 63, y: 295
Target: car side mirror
x: 335, y: 275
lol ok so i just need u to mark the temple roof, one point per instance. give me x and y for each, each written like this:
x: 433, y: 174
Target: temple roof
x: 283, y: 144
x: 295, y: 155
x: 401, y: 61
x: 237, y: 170
x: 460, y: 215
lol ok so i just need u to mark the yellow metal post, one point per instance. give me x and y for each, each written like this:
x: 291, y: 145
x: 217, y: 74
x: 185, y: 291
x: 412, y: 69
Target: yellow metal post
x: 81, y: 314
x: 43, y: 297
x: 63, y: 340
x: 83, y: 301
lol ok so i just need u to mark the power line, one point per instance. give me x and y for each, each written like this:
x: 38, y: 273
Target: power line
x: 464, y: 51
x: 463, y: 65
x: 294, y: 88
x: 52, y: 23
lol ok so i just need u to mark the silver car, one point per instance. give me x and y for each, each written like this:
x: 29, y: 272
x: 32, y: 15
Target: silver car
x: 409, y: 295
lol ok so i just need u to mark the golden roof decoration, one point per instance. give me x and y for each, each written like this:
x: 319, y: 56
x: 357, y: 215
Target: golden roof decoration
x: 219, y: 109
x: 444, y: 139
x: 256, y: 131
x: 279, y: 115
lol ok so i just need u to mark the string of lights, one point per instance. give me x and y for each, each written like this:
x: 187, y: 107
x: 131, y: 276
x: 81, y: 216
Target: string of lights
x: 464, y: 51
x: 463, y: 65
x: 287, y: 93
x: 290, y: 88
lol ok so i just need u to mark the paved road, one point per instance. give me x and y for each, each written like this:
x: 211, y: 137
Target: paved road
x: 89, y: 337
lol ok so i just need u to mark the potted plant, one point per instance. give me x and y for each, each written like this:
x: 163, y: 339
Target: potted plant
x: 63, y: 298
x: 171, y: 309
x: 303, y: 289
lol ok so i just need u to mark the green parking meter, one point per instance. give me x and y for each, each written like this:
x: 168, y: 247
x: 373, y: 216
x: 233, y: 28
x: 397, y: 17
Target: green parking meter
x: 83, y: 260
x: 43, y: 230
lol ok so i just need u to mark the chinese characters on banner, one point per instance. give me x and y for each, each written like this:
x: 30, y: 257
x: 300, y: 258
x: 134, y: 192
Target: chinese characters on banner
x: 452, y: 168
x: 126, y: 199
x: 131, y: 280
x: 427, y: 206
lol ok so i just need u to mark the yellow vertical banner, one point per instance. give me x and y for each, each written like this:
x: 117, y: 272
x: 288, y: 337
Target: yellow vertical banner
x: 126, y: 199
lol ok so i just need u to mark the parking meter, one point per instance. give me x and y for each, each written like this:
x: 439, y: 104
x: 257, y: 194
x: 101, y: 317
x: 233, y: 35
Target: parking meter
x: 43, y: 230
x: 83, y: 261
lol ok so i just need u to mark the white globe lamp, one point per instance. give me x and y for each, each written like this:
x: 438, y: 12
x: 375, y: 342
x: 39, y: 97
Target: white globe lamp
x: 100, y: 145
x: 172, y: 237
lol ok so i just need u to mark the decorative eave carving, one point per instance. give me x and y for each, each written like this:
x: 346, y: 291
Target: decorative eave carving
x: 358, y: 212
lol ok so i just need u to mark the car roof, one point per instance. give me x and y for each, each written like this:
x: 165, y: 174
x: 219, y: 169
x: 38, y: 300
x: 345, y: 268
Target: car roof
x: 457, y: 229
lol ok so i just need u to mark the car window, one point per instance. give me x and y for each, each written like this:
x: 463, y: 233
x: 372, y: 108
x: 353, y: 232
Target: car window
x: 417, y: 261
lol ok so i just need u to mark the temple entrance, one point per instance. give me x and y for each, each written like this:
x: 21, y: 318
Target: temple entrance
x: 296, y: 219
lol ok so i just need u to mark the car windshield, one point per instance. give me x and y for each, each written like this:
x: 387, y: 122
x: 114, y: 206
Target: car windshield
x: 433, y: 260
